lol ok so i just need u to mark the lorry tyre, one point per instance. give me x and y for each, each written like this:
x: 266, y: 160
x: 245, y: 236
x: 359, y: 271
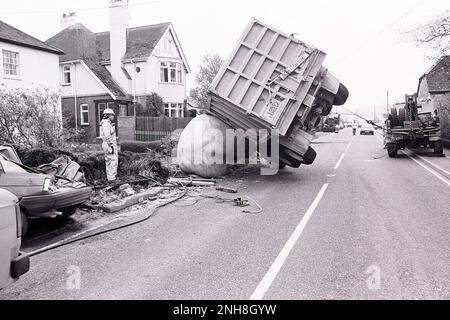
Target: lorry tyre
x: 291, y: 158
x: 24, y: 219
x: 341, y: 96
x: 438, y: 147
x: 309, y: 156
x: 289, y: 162
x: 392, y: 150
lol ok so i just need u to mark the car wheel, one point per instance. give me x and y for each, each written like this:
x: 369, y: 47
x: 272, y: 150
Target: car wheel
x: 438, y: 147
x: 392, y: 150
x: 68, y: 212
x: 24, y: 219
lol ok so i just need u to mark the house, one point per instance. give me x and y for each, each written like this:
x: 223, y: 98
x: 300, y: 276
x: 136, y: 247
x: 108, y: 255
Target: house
x: 118, y: 68
x: 26, y: 61
x: 434, y: 93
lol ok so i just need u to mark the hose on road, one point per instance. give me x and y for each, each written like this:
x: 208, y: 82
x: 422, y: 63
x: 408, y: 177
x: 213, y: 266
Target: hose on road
x: 70, y: 241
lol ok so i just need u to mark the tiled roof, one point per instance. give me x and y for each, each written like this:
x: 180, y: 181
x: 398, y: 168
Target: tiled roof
x: 140, y: 41
x: 105, y: 77
x: 438, y: 78
x: 80, y: 43
x: 77, y: 41
x: 15, y: 36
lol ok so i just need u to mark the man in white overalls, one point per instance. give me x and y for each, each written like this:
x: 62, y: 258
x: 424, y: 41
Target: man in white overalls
x: 109, y: 145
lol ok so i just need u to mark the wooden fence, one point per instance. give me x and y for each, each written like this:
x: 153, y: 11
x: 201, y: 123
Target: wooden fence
x: 156, y: 128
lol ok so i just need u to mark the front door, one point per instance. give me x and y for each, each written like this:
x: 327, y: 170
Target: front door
x: 100, y: 106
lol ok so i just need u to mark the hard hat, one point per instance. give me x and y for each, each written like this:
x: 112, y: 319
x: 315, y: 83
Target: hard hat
x: 108, y: 111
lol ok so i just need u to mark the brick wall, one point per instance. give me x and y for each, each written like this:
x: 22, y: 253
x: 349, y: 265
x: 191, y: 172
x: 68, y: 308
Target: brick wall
x: 68, y: 109
x: 127, y: 128
x: 442, y: 104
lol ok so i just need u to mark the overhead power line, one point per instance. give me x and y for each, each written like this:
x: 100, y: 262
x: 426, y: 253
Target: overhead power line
x: 381, y: 32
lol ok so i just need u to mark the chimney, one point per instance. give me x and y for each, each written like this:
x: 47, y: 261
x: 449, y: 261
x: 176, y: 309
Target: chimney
x: 118, y: 39
x: 68, y: 20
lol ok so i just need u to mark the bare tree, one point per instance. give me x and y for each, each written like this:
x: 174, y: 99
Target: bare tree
x: 434, y: 34
x: 211, y: 64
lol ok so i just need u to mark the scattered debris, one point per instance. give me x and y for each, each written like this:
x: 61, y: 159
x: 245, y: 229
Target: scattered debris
x: 227, y: 190
x: 120, y: 204
x: 188, y: 182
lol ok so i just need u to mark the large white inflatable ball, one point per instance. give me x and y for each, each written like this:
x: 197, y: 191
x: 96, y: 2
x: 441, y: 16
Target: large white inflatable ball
x: 202, y: 147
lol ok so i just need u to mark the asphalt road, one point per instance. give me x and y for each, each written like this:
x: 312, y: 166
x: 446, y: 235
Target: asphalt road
x: 354, y: 225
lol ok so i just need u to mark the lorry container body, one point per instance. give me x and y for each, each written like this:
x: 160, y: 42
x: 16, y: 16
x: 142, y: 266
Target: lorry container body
x: 272, y: 80
x: 408, y: 127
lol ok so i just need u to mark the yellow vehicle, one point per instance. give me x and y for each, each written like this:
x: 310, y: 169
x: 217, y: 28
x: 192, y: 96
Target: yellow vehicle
x: 13, y: 263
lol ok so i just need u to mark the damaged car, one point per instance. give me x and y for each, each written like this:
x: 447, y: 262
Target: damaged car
x: 42, y: 192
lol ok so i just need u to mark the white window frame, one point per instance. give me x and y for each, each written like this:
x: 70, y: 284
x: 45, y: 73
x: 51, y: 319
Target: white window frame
x: 105, y: 105
x: 65, y: 71
x: 175, y: 109
x: 169, y: 66
x: 84, y: 111
x: 9, y: 60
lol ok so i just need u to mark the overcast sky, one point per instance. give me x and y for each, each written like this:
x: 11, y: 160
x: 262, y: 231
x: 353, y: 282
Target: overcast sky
x: 361, y: 38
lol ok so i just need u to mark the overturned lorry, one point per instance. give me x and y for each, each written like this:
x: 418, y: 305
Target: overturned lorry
x: 273, y: 81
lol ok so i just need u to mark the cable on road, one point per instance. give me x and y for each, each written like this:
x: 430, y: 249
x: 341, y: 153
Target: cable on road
x: 218, y: 199
x: 148, y: 216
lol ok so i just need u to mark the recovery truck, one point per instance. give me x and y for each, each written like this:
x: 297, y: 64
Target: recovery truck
x: 331, y: 123
x: 406, y: 126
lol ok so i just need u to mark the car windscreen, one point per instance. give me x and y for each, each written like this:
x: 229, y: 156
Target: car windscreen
x: 9, y: 166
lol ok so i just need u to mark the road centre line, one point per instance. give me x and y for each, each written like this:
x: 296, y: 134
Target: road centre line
x: 271, y: 274
x: 339, y: 161
x: 348, y: 146
x: 437, y: 175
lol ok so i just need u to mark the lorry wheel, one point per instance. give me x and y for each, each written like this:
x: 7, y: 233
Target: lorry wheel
x: 68, y: 212
x: 309, y: 156
x: 392, y: 150
x: 291, y: 158
x: 24, y: 223
x: 438, y: 147
x: 341, y: 96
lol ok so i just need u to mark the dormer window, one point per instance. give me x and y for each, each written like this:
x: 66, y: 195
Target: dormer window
x: 67, y: 79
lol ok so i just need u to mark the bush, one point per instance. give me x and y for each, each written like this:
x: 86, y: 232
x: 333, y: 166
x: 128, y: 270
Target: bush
x: 31, y: 118
x: 37, y: 156
x: 140, y: 147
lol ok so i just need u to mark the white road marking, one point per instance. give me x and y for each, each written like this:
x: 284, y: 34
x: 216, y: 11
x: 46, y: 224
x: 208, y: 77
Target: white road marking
x: 437, y: 175
x: 339, y: 161
x: 348, y: 146
x: 270, y: 276
x: 434, y: 165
